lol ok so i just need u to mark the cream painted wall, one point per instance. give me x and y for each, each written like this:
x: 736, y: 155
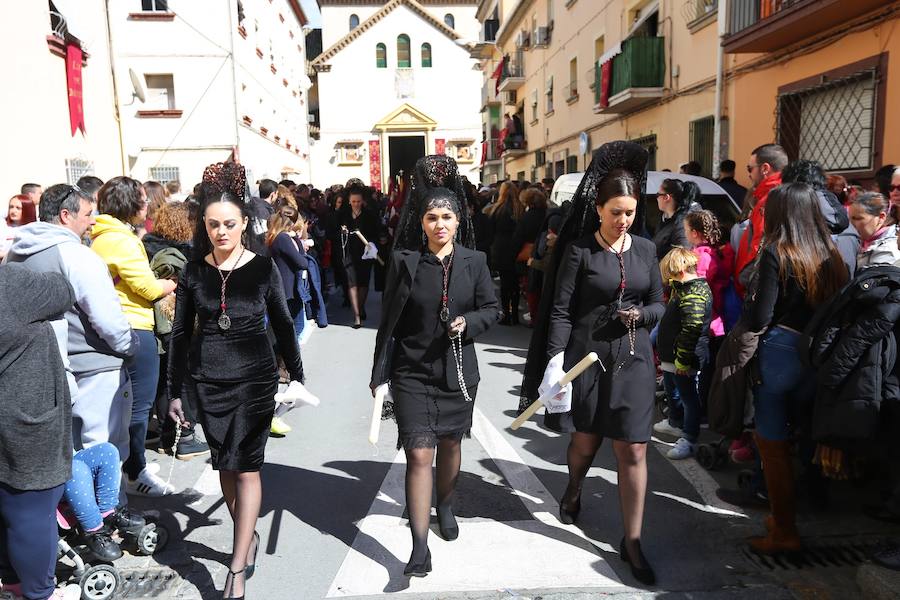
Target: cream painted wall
x: 38, y: 138
x: 354, y: 95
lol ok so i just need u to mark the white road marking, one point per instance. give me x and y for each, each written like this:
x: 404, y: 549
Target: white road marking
x: 704, y: 483
x: 490, y: 553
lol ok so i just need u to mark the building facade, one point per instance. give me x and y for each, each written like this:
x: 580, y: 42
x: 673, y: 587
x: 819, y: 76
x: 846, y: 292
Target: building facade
x: 573, y: 75
x: 394, y: 82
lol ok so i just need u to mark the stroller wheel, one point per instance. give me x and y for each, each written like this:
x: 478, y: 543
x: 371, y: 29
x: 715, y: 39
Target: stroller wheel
x: 745, y: 480
x: 100, y: 582
x: 706, y: 456
x: 152, y: 538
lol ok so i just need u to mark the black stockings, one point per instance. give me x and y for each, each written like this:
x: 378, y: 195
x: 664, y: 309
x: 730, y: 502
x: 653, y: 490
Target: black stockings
x: 419, y: 486
x: 579, y: 457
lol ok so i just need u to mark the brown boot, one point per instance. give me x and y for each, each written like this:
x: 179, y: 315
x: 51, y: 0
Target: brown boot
x: 782, y: 527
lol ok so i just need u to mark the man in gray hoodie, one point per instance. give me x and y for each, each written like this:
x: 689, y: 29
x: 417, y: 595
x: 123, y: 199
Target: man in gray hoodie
x: 96, y: 335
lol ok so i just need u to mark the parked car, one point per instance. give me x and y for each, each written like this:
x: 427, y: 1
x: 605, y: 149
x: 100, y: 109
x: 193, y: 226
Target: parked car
x: 712, y: 198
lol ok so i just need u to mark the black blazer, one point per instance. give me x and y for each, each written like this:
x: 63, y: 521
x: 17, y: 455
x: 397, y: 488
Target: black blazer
x: 290, y: 262
x: 472, y: 296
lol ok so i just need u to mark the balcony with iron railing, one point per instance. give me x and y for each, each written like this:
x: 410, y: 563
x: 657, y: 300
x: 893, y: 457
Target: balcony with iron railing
x: 637, y: 76
x: 492, y: 150
x: 769, y: 25
x: 489, y: 94
x: 513, y: 75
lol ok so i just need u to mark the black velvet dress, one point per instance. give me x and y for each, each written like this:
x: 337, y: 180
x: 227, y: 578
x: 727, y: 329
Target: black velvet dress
x: 423, y: 406
x: 233, y: 372
x: 358, y: 271
x: 616, y: 402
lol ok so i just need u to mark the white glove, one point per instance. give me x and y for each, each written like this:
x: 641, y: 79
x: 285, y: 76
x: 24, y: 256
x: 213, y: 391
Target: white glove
x: 308, y: 243
x: 555, y: 398
x: 296, y: 393
x: 371, y: 252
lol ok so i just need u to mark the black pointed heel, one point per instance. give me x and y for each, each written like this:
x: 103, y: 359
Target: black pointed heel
x: 229, y: 585
x: 418, y: 569
x: 250, y: 569
x: 447, y: 523
x: 568, y: 513
x: 644, y: 573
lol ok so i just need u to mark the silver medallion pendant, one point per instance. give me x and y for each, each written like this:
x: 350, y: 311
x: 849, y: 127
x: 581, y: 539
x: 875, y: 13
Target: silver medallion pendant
x: 445, y: 314
x: 224, y: 322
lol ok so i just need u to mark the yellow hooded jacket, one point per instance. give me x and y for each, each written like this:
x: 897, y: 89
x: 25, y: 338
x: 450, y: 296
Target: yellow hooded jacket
x: 126, y: 258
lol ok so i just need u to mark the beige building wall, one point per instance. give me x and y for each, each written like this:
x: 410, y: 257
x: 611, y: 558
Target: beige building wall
x: 582, y: 30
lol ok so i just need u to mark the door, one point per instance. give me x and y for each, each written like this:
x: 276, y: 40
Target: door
x: 403, y: 152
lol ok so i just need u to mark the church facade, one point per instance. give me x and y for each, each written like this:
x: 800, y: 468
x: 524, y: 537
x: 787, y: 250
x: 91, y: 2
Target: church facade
x: 395, y: 82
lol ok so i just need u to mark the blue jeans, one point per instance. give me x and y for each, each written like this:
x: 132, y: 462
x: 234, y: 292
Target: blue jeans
x: 93, y: 490
x: 143, y: 369
x: 686, y: 403
x: 28, y: 538
x: 788, y: 387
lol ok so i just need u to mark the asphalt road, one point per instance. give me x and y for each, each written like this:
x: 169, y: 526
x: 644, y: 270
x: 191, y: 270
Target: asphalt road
x: 332, y: 522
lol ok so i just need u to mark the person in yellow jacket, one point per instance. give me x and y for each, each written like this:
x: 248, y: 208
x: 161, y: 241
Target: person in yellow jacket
x: 122, y: 203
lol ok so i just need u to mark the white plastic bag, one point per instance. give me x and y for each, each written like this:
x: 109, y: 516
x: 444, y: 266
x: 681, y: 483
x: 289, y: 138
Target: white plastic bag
x: 555, y: 399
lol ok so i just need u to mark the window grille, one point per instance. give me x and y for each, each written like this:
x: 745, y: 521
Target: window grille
x: 164, y: 174
x: 404, y: 59
x: 702, y: 134
x: 648, y: 142
x: 76, y: 168
x: 832, y: 123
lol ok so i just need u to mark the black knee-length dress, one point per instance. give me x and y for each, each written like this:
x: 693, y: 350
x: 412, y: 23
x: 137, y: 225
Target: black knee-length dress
x: 233, y: 372
x: 413, y: 350
x: 618, y: 402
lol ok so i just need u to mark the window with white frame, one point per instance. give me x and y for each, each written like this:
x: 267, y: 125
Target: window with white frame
x: 76, y: 168
x: 164, y: 174
x: 549, y: 94
x: 160, y: 92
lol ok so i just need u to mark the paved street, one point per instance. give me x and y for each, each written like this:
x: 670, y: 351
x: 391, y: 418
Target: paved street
x: 332, y: 521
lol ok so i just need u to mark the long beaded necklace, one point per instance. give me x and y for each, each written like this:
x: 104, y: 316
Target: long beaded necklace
x: 224, y: 320
x: 456, y: 343
x: 631, y: 327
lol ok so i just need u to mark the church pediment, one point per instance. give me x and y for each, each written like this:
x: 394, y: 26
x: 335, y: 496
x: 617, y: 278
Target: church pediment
x: 406, y: 117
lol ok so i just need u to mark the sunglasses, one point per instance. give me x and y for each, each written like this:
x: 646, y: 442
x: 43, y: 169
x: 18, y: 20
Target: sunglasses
x: 894, y: 188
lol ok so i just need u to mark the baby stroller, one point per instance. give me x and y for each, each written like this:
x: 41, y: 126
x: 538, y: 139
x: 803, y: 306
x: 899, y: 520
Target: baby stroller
x: 101, y: 580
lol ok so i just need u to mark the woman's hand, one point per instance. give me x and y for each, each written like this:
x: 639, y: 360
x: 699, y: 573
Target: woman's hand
x: 373, y: 387
x: 176, y: 413
x: 629, y: 316
x: 457, y: 327
x: 168, y: 286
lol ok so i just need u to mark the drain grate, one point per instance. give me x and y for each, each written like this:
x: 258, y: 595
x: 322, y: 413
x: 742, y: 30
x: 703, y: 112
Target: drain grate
x: 148, y: 583
x: 815, y: 556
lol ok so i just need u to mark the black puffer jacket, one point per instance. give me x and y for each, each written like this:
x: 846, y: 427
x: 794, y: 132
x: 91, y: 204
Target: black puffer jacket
x: 671, y: 233
x: 851, y: 343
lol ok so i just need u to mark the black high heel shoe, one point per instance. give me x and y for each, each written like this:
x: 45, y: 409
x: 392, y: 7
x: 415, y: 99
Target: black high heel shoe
x: 568, y: 513
x: 250, y: 569
x: 644, y: 573
x: 418, y: 569
x: 447, y: 523
x: 229, y: 585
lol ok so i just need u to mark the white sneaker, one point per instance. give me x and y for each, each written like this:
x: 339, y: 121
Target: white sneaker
x: 70, y: 592
x: 682, y: 449
x: 148, y: 484
x: 152, y: 468
x: 664, y: 428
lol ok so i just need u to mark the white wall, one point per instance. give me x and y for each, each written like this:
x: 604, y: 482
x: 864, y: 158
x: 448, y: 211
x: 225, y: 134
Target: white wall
x: 354, y: 94
x: 36, y: 131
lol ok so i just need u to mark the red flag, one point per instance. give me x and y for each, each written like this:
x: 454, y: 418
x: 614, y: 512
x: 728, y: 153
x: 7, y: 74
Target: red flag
x: 605, y: 82
x: 497, y: 73
x: 375, y: 164
x: 74, y: 57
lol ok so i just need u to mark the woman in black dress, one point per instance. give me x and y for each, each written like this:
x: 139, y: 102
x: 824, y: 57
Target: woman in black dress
x: 228, y: 362
x: 438, y: 297
x: 355, y: 216
x: 505, y: 214
x: 608, y: 295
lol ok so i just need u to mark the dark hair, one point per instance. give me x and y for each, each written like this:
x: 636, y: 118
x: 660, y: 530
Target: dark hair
x: 883, y: 177
x: 796, y: 230
x: 288, y: 183
x: 120, y: 197
x: 267, y: 187
x: 59, y: 197
x: 156, y: 197
x: 727, y: 166
x: 772, y: 154
x: 804, y: 171
x: 874, y: 203
x: 684, y: 193
x: 173, y: 222
x: 90, y: 185
x: 534, y: 197
x: 547, y: 180
x: 618, y: 182
x: 28, y: 211
x: 692, y: 167
x: 837, y: 185
x: 201, y: 245
x: 27, y: 188
x: 355, y: 190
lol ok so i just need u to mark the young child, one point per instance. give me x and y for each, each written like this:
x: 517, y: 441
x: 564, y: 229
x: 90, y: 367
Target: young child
x: 683, y: 342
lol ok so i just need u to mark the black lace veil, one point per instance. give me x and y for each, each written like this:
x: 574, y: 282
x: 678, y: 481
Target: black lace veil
x: 579, y: 219
x: 431, y: 174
